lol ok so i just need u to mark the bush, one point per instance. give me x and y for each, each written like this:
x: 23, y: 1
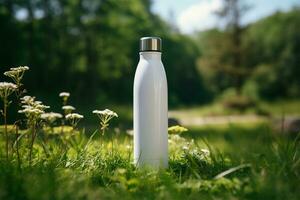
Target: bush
x: 230, y: 99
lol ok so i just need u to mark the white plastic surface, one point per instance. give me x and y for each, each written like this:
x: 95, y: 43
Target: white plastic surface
x: 150, y: 112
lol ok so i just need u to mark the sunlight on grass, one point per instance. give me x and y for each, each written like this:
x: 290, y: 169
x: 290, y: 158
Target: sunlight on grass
x: 288, y: 107
x: 243, y: 157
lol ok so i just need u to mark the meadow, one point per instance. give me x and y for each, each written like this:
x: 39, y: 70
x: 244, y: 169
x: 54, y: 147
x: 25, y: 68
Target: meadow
x: 228, y: 162
x: 46, y: 155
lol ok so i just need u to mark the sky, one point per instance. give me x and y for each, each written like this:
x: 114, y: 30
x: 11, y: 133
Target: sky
x: 198, y: 15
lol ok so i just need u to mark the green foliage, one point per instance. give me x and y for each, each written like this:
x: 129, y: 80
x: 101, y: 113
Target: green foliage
x: 273, y: 45
x: 184, y: 82
x: 271, y: 171
x: 91, y: 48
x: 269, y: 61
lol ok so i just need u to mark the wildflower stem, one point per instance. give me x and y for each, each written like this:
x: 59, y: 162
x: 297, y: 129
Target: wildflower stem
x: 112, y: 145
x: 33, y: 134
x: 5, y: 125
x: 44, y: 146
x: 18, y: 93
x: 102, y: 138
x: 17, y: 147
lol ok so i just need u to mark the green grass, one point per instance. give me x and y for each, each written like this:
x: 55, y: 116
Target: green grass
x: 287, y: 107
x: 261, y: 164
x: 277, y: 108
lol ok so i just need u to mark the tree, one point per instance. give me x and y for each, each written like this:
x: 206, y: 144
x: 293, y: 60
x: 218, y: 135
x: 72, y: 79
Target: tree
x: 90, y: 47
x: 232, y: 13
x: 273, y: 48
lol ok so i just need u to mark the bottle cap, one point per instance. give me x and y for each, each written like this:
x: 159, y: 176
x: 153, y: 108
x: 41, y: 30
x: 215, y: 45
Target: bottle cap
x: 150, y: 44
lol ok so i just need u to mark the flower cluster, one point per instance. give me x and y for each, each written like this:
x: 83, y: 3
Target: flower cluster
x: 27, y: 100
x: 65, y: 96
x: 20, y: 69
x: 6, y: 89
x: 36, y: 116
x: 176, y: 139
x: 105, y: 116
x: 16, y: 73
x: 31, y: 108
x: 74, y: 118
x: 177, y: 129
x: 68, y: 109
x: 201, y: 154
x: 105, y: 113
x: 51, y: 117
x: 206, y: 152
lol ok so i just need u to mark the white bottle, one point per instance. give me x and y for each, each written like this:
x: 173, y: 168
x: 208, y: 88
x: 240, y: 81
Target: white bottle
x: 150, y: 107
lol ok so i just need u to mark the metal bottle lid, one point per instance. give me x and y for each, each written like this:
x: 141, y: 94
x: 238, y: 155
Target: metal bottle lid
x: 150, y: 44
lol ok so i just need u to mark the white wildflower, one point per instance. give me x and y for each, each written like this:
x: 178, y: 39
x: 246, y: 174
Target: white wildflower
x: 105, y: 116
x: 64, y: 94
x: 176, y: 137
x: 31, y: 108
x: 11, y: 74
x: 74, y: 118
x: 177, y: 129
x: 5, y: 85
x: 26, y: 106
x: 27, y: 100
x: 41, y: 107
x: 38, y: 102
x: 68, y: 108
x: 16, y: 73
x: 21, y: 68
x: 6, y: 89
x: 205, y: 151
x: 105, y: 112
x: 185, y: 148
x: 31, y: 112
x: 51, y: 117
x: 129, y: 132
x: 194, y: 151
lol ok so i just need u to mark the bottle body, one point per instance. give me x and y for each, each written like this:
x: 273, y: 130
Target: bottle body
x: 150, y: 112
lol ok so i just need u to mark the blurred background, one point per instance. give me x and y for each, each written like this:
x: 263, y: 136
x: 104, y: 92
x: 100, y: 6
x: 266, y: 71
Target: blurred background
x: 226, y: 60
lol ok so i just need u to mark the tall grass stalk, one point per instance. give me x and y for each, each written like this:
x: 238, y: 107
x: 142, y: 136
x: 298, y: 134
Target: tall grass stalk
x: 17, y: 147
x: 33, y: 136
x: 6, y: 89
x: 5, y: 126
